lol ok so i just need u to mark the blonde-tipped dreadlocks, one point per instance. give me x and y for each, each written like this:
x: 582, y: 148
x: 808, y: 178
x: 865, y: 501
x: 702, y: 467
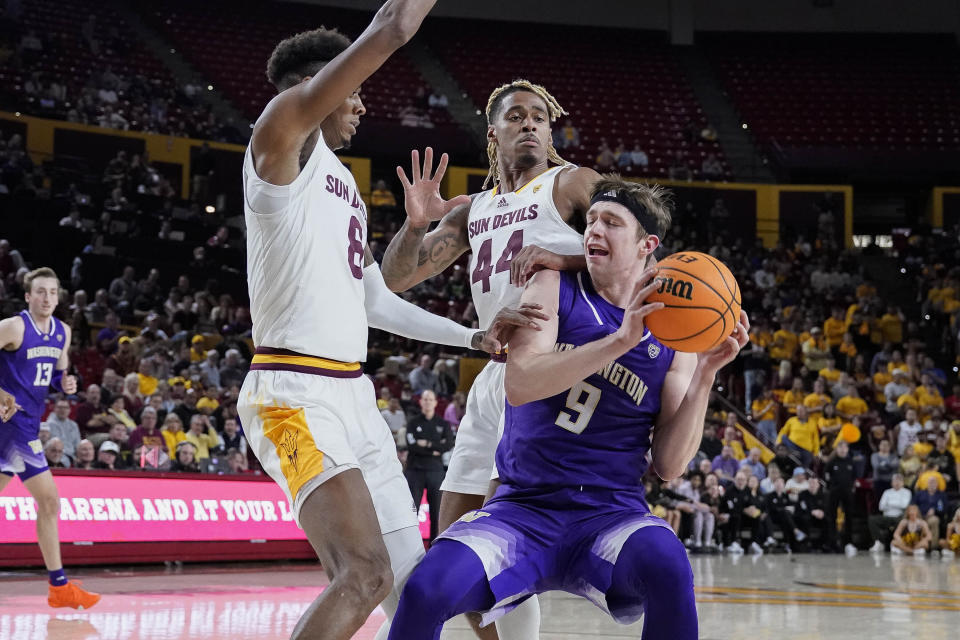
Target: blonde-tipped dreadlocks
x: 553, y: 107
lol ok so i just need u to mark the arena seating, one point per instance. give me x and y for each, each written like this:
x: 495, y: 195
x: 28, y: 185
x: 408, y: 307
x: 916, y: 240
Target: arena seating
x: 615, y: 85
x: 883, y: 93
x: 231, y: 43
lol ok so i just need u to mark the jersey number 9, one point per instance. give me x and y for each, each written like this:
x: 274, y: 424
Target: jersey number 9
x: 581, y: 409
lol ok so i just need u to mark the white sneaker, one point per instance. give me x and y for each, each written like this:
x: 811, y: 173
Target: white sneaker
x: 947, y: 554
x: 877, y: 547
x: 895, y: 551
x: 920, y: 552
x: 850, y: 550
x: 770, y: 542
x: 735, y: 548
x: 756, y: 549
x: 799, y: 535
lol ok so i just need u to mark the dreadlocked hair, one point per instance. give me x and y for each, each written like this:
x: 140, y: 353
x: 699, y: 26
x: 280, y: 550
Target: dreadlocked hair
x: 493, y: 105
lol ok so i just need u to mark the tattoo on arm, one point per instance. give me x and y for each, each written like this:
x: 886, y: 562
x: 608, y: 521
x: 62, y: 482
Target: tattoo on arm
x: 435, y: 248
x: 398, y: 261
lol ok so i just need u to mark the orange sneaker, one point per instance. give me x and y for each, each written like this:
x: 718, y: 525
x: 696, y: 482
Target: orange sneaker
x: 71, y: 595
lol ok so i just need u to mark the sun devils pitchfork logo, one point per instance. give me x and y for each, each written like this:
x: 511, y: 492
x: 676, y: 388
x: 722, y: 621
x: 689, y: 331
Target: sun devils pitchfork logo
x: 289, y: 445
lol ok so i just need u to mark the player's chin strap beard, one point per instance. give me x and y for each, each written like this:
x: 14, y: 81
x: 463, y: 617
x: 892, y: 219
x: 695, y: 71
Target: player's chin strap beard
x: 646, y: 219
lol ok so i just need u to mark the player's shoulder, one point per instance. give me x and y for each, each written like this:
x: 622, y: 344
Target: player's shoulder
x: 572, y: 176
x: 13, y: 323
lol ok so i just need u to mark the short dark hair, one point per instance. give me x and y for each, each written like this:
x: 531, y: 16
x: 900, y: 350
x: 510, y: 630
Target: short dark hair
x: 303, y: 55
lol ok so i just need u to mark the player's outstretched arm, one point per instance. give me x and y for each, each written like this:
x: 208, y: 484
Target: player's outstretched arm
x: 415, y: 255
x: 295, y: 113
x: 535, y: 371
x: 389, y: 312
x: 684, y: 399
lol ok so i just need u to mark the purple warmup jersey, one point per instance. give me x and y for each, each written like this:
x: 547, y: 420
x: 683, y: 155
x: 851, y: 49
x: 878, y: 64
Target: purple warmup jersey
x: 597, y: 434
x: 26, y: 374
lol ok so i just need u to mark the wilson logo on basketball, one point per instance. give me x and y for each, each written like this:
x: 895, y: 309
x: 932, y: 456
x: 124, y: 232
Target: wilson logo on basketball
x: 677, y: 288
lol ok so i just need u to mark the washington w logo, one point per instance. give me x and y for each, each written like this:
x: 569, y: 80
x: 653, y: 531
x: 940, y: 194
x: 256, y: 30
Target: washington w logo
x: 677, y: 288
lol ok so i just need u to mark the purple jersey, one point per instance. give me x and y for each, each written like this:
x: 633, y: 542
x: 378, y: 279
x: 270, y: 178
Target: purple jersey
x: 26, y: 372
x: 597, y: 434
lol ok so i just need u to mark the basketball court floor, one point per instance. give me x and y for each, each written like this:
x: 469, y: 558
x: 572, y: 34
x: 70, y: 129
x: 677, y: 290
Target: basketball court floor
x: 782, y: 597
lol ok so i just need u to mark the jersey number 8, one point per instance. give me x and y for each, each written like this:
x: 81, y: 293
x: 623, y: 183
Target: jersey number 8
x: 582, y: 407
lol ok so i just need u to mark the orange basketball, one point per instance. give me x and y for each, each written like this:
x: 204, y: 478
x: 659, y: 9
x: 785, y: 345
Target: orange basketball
x: 702, y: 301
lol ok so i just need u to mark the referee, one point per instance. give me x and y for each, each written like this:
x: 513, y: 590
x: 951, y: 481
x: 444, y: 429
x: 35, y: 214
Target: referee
x: 428, y: 437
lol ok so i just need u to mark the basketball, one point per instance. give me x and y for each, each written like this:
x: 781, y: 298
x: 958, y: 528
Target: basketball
x: 701, y: 302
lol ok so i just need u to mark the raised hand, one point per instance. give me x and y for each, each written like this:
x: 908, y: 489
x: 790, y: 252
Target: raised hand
x: 422, y: 198
x: 531, y: 259
x: 710, y: 362
x: 8, y: 406
x: 632, y: 328
x: 506, y: 322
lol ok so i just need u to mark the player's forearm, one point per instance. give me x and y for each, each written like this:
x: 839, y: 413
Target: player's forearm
x: 402, y: 257
x: 389, y: 312
x: 535, y: 376
x: 404, y: 16
x: 677, y: 439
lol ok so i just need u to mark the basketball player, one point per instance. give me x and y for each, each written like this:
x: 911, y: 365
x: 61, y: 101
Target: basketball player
x: 517, y: 227
x: 32, y: 360
x: 585, y: 394
x: 308, y: 411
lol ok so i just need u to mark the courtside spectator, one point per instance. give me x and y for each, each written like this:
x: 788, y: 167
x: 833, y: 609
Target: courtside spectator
x: 811, y: 513
x: 186, y: 458
x: 932, y: 503
x: 53, y: 450
x: 108, y: 456
x: 893, y: 504
x: 85, y: 455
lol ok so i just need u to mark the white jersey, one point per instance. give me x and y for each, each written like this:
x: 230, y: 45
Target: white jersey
x: 305, y: 247
x: 499, y: 225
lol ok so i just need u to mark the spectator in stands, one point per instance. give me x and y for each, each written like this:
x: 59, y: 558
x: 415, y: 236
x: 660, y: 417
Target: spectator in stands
x: 232, y: 372
x: 396, y: 419
x: 147, y: 434
x: 606, y: 160
x: 108, y: 457
x: 210, y: 401
x: 382, y: 197
x: 731, y: 437
x: 811, y: 512
x: 202, y: 435
x: 756, y: 518
x: 851, y: 405
x: 85, y: 455
x: 912, y: 535
x: 638, y: 157
x: 725, y: 465
x: 840, y: 476
x: 186, y: 458
x: 891, y: 325
x: 571, y: 136
x: 893, y: 504
x: 932, y: 502
x: 952, y: 403
x: 815, y: 351
x: 120, y: 436
x: 188, y: 408
x: 232, y: 438
x: 132, y: 401
x: 753, y: 465
x: 455, y: 410
x: 53, y: 450
x: 801, y: 436
x: 755, y: 365
x: 735, y: 500
x: 710, y: 444
x: 828, y: 424
x: 172, y: 431
x: 422, y: 378
x: 907, y: 432
x: 62, y: 427
x: 445, y: 383
x: 117, y: 413
x: 794, y: 396
x: 884, y: 464
x: 784, y: 462
x: 124, y: 359
x: 779, y: 508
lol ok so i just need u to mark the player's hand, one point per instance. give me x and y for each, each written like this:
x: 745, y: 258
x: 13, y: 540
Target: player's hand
x: 531, y: 259
x: 422, y: 198
x: 8, y: 406
x: 69, y: 384
x: 632, y: 328
x: 505, y: 323
x: 710, y: 362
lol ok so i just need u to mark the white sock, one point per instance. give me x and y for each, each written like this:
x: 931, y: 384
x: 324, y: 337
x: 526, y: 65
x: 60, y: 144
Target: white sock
x: 523, y: 623
x: 405, y: 548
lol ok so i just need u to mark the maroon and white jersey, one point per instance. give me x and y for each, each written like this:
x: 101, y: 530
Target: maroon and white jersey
x: 305, y: 245
x: 499, y: 226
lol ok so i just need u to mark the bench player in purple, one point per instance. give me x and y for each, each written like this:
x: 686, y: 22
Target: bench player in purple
x: 33, y: 358
x: 589, y: 395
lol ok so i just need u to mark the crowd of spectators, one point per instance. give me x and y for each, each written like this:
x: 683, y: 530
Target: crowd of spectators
x: 112, y: 92
x: 849, y: 391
